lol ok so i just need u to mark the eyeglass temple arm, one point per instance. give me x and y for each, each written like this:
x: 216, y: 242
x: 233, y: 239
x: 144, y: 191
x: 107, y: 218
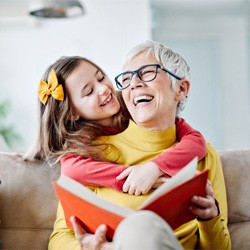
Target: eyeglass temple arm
x: 172, y: 74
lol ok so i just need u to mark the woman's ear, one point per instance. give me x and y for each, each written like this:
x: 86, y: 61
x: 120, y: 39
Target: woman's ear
x: 183, y: 87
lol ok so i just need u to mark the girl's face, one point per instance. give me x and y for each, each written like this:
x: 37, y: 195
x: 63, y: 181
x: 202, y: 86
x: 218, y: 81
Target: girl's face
x: 92, y: 94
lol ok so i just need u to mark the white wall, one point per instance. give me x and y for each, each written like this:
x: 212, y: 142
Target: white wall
x: 213, y: 36
x: 105, y: 34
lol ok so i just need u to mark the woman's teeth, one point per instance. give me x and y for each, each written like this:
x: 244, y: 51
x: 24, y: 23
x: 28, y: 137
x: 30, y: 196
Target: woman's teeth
x: 143, y: 98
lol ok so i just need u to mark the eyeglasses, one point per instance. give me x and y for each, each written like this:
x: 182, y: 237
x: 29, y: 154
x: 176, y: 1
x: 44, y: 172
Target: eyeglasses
x: 146, y: 73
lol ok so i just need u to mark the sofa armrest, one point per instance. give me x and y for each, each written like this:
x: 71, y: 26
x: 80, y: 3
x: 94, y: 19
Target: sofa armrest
x: 236, y: 168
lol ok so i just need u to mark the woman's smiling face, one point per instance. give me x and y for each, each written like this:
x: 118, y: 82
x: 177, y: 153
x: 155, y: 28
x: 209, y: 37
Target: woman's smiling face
x: 92, y: 94
x: 156, y: 109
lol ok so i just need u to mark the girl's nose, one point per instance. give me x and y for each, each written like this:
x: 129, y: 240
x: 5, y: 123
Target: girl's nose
x: 103, y: 89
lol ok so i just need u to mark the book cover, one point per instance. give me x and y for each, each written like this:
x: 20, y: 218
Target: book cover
x: 171, y: 201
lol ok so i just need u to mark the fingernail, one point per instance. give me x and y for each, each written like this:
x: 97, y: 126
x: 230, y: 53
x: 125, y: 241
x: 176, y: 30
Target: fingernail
x: 195, y: 198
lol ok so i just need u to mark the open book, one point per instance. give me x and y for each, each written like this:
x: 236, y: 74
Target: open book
x: 171, y: 201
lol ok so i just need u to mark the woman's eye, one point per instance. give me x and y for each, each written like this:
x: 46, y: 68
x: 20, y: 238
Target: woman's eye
x: 147, y: 72
x: 126, y: 80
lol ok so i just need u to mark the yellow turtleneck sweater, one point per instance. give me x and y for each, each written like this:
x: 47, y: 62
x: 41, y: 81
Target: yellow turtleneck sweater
x: 137, y: 145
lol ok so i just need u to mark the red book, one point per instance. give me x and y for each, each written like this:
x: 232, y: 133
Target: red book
x: 171, y: 201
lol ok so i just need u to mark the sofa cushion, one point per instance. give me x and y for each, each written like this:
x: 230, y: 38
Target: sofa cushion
x: 27, y: 202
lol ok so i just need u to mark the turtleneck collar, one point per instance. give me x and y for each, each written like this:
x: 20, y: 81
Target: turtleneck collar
x: 148, y: 139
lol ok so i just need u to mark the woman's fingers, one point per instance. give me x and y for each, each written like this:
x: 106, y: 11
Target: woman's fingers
x: 205, y: 207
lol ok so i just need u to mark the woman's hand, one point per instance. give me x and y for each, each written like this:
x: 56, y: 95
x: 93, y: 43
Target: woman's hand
x: 205, y: 208
x: 160, y: 181
x: 88, y: 241
x: 140, y: 178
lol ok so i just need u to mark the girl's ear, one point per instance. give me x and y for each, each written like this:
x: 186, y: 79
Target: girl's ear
x: 76, y: 117
x: 73, y: 117
x: 183, y: 87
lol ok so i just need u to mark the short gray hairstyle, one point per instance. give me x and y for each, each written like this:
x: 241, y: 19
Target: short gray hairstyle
x: 167, y: 58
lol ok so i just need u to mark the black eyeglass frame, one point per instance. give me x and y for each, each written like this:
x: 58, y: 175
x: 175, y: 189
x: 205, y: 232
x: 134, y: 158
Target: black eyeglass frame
x: 158, y: 66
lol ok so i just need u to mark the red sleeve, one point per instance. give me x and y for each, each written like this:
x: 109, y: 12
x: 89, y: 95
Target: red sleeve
x: 191, y: 144
x: 92, y: 173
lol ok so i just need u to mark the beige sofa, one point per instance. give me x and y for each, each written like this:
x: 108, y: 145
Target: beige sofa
x: 28, y: 202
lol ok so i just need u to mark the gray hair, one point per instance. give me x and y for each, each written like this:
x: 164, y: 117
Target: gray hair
x: 167, y: 58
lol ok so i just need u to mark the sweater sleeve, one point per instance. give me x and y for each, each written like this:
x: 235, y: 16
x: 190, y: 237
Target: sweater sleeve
x: 220, y: 235
x: 92, y: 173
x: 213, y: 234
x: 191, y: 144
x: 62, y: 237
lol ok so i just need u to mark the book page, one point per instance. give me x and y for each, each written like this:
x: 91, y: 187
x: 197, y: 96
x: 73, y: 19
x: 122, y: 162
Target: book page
x: 183, y: 175
x: 86, y: 194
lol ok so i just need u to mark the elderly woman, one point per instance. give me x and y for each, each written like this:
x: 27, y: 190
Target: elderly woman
x: 154, y: 85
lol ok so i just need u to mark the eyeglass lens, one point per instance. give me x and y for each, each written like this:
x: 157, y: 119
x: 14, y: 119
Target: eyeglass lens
x: 145, y: 74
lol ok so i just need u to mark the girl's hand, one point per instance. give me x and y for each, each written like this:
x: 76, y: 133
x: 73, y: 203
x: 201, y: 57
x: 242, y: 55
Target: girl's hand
x: 205, y: 208
x: 88, y: 241
x: 140, y: 178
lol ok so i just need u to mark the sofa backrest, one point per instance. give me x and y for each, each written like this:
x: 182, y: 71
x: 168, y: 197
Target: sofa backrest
x: 236, y: 167
x: 28, y: 202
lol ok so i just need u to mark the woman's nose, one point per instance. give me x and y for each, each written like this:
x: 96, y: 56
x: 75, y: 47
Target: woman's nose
x: 136, y: 82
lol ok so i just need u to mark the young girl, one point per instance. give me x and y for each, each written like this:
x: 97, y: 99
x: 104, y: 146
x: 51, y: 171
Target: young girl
x: 75, y: 82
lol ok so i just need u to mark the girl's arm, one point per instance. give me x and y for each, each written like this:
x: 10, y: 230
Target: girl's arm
x: 93, y: 173
x: 191, y: 144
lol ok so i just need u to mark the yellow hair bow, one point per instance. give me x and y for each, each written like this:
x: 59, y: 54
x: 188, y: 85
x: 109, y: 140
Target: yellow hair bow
x: 50, y: 88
